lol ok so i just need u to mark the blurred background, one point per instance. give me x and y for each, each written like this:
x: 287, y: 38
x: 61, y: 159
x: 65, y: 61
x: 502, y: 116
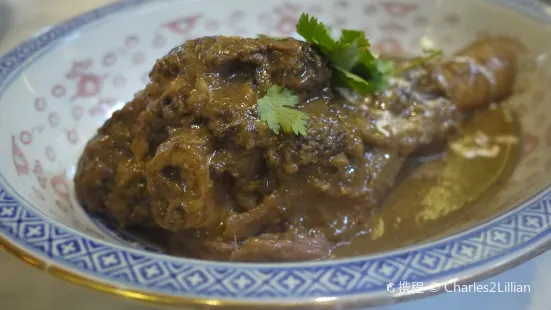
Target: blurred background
x: 19, y: 19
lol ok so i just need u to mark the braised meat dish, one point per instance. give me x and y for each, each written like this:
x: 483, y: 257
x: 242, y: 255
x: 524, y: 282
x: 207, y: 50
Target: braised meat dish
x: 190, y: 159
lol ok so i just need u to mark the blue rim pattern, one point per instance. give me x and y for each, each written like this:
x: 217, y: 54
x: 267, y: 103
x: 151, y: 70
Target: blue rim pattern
x: 519, y: 231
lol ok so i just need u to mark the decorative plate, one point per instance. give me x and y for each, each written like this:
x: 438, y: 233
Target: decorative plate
x: 60, y: 85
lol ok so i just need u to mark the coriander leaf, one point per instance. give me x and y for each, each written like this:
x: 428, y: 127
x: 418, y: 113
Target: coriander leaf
x: 316, y: 32
x: 353, y: 63
x: 348, y: 79
x: 384, y: 71
x: 376, y: 71
x: 368, y: 60
x: 377, y: 82
x: 348, y: 36
x: 346, y: 56
x: 275, y: 109
x: 350, y: 49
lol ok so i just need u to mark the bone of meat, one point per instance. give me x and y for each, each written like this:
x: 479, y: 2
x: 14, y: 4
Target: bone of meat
x: 421, y: 108
x: 480, y: 74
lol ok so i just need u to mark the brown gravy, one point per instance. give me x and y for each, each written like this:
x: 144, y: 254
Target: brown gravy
x: 189, y: 162
x: 435, y: 195
x: 432, y: 198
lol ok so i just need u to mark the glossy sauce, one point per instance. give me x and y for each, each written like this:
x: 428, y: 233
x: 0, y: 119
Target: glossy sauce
x: 434, y: 195
x: 207, y: 189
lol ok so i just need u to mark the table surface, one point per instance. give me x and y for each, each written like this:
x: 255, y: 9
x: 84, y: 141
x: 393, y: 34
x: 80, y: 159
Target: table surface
x: 24, y: 287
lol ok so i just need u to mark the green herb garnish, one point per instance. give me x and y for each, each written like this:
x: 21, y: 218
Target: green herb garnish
x: 316, y: 32
x: 354, y: 64
x: 275, y: 109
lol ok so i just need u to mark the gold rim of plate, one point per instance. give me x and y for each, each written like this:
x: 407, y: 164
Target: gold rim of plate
x: 160, y: 299
x: 155, y: 299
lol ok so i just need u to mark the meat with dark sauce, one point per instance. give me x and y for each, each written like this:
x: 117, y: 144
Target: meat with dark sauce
x: 190, y: 156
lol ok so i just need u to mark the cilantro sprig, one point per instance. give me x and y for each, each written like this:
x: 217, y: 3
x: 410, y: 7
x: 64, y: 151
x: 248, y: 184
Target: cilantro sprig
x: 354, y: 66
x: 353, y: 63
x: 275, y: 109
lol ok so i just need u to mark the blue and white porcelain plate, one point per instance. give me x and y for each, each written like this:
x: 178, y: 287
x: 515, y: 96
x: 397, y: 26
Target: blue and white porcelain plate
x: 58, y: 87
